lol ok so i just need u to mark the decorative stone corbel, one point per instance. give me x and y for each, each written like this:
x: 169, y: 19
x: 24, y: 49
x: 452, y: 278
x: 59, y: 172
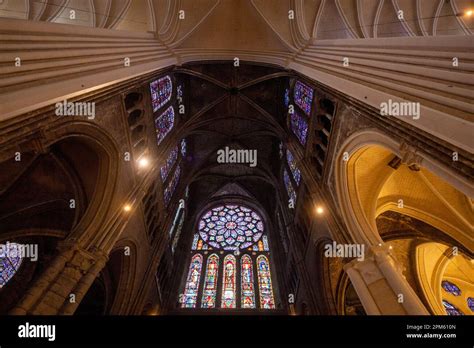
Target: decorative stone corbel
x: 410, y: 157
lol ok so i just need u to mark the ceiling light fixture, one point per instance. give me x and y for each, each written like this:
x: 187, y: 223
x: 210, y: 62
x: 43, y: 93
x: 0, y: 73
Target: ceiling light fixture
x: 143, y: 162
x: 319, y: 210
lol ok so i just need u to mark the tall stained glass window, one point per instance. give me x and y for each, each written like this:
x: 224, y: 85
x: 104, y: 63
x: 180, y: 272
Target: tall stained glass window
x: 228, y: 282
x: 169, y: 190
x: 289, y: 187
x: 293, y: 167
x: 247, y: 283
x: 265, y: 283
x: 451, y: 309
x: 299, y: 127
x: 470, y: 303
x: 226, y: 231
x: 10, y: 261
x: 183, y: 147
x: 191, y: 289
x: 161, y: 91
x: 286, y: 98
x: 209, y: 291
x: 451, y: 288
x: 164, y: 123
x: 303, y: 97
x: 170, y: 161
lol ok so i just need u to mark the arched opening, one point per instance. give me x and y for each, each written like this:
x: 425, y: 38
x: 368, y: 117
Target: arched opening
x: 387, y: 198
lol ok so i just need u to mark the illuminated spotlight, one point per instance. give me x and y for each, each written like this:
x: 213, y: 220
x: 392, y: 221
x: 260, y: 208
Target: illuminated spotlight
x: 319, y: 210
x: 143, y: 162
x: 127, y: 207
x: 469, y: 13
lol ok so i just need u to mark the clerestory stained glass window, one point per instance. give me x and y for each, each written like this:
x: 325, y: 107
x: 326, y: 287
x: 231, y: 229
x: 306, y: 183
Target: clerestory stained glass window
x: 10, y: 261
x: 191, y: 289
x: 451, y: 288
x: 228, y: 282
x: 289, y: 186
x: 169, y: 190
x: 303, y: 97
x: 161, y: 91
x: 451, y: 309
x: 470, y: 303
x: 247, y: 283
x: 170, y: 161
x: 164, y: 123
x: 293, y: 167
x: 265, y: 283
x: 209, y: 291
x: 299, y: 127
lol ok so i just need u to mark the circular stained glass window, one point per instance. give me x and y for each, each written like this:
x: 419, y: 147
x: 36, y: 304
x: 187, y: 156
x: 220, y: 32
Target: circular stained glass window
x: 231, y: 227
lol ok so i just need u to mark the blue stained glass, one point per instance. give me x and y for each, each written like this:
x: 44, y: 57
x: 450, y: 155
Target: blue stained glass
x: 164, y: 123
x: 191, y: 289
x: 289, y: 187
x: 287, y: 97
x: 170, y: 161
x: 183, y: 147
x: 265, y: 243
x: 450, y: 309
x: 451, y: 288
x: 160, y: 90
x: 293, y: 167
x: 265, y: 283
x: 209, y: 291
x: 470, y: 303
x: 10, y: 261
x: 299, y: 126
x: 169, y: 190
x: 303, y: 97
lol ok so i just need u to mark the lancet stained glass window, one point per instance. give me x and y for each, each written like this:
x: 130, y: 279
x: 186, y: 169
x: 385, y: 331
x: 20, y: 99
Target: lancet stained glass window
x: 293, y: 167
x: 299, y: 127
x: 10, y: 261
x: 228, y: 283
x: 164, y: 123
x: 451, y: 309
x: 169, y: 190
x: 265, y: 283
x: 161, y: 91
x: 209, y: 291
x: 303, y: 97
x: 170, y: 161
x: 191, y: 289
x: 231, y: 227
x: 289, y: 187
x: 247, y: 292
x: 183, y: 147
x: 451, y: 288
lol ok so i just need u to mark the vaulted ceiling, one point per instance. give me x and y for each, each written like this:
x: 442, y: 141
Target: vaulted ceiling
x: 240, y: 108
